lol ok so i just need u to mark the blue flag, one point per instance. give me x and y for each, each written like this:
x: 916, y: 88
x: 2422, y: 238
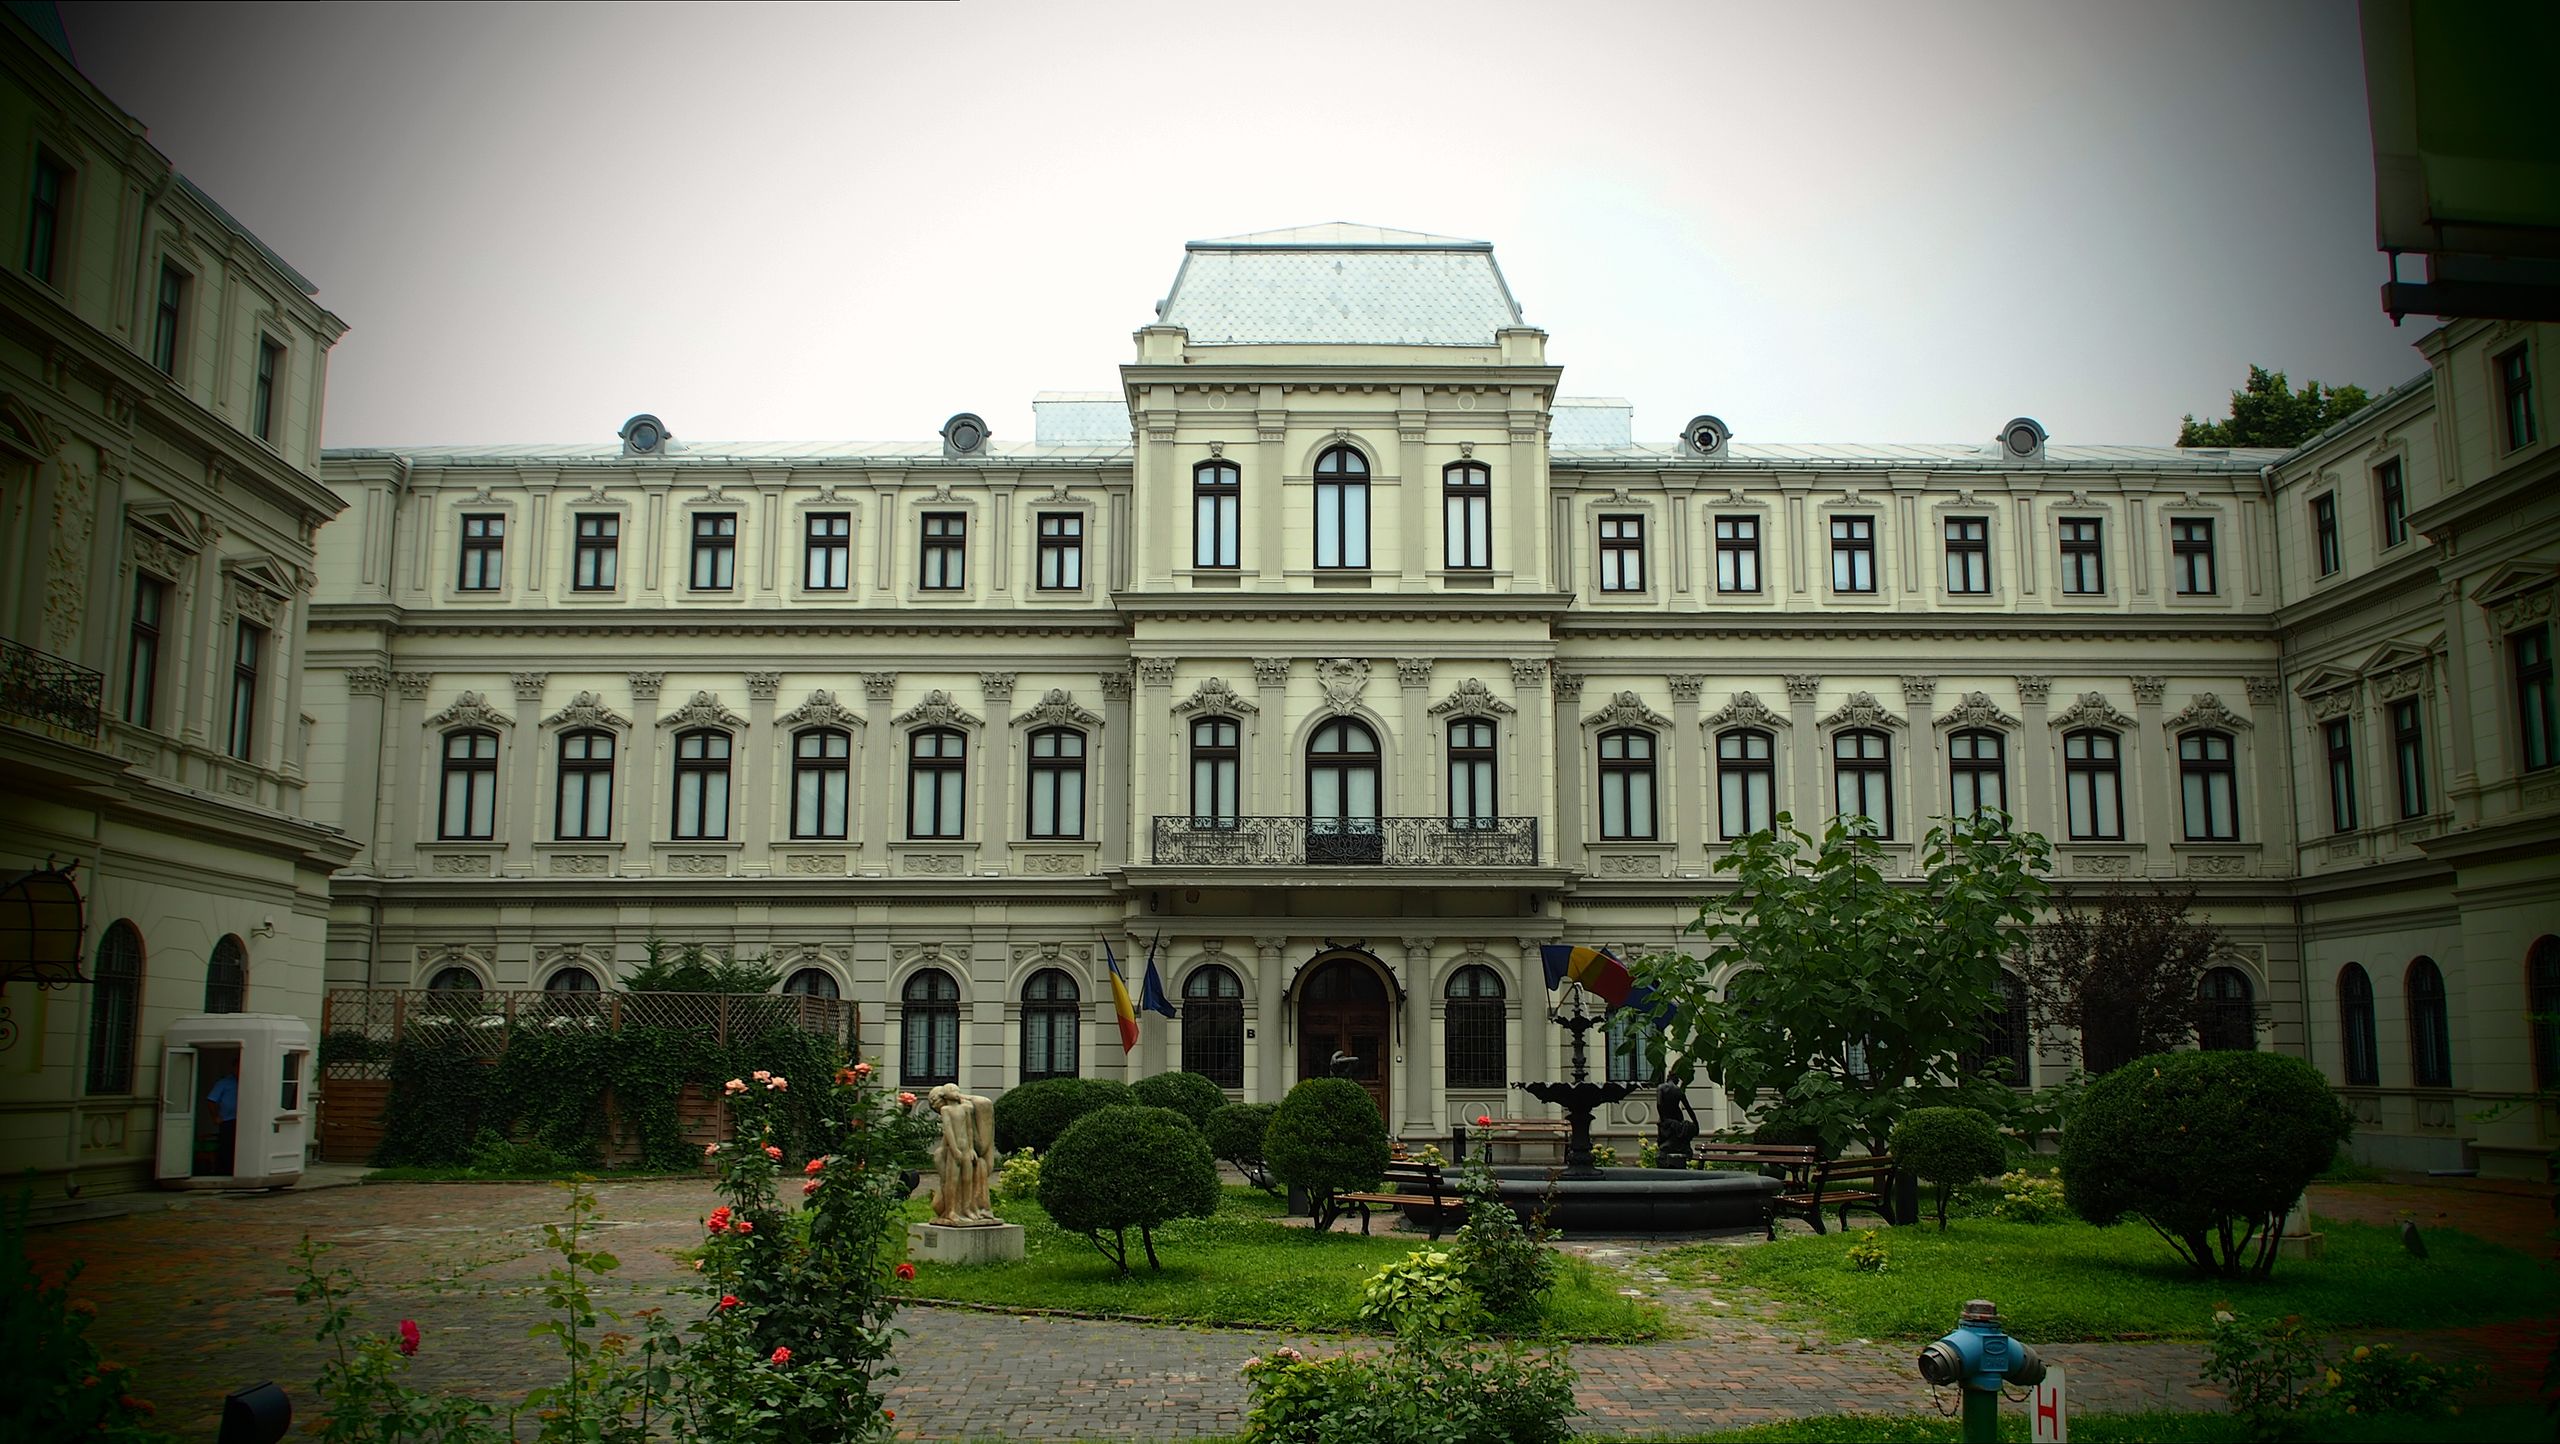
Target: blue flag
x: 1151, y: 997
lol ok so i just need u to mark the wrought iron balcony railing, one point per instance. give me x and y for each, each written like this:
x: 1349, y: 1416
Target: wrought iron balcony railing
x: 1362, y: 842
x: 41, y: 687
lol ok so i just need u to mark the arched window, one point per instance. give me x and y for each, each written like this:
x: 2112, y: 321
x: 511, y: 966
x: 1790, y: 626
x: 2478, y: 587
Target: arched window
x: 1466, y: 489
x: 1977, y: 774
x: 1473, y: 802
x: 1626, y: 786
x: 1049, y: 1025
x: 931, y: 1020
x: 2355, y: 1027
x: 1632, y: 1039
x: 226, y: 977
x: 2230, y: 1022
x: 1862, y: 777
x: 938, y: 783
x: 1342, y: 794
x: 702, y: 785
x: 1217, y: 499
x: 2093, y: 784
x: 2209, y: 789
x: 454, y: 979
x: 572, y: 979
x: 470, y: 810
x: 1057, y: 783
x: 2007, y: 1042
x: 1478, y: 1041
x: 1214, y: 760
x: 2542, y: 1007
x: 1213, y: 1026
x: 1342, y: 508
x: 2430, y: 1032
x: 821, y: 782
x: 583, y: 809
x: 811, y: 983
x: 1746, y: 783
x: 115, y: 1009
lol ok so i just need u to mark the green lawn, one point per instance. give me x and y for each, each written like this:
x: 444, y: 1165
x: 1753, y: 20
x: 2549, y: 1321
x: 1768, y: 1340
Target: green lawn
x: 2072, y: 1281
x: 1242, y: 1268
x: 2507, y: 1422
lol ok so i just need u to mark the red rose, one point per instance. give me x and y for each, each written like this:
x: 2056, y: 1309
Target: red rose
x: 773, y: 1153
x: 906, y: 1272
x: 745, y: 1227
x: 408, y: 1336
x: 814, y: 1165
x: 808, y: 1188
x: 1484, y: 1120
x: 781, y: 1357
x: 728, y: 1301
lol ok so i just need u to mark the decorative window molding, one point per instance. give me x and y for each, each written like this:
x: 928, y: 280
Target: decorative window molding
x: 1862, y: 710
x: 1626, y: 709
x: 1472, y: 696
x: 1056, y: 709
x: 588, y: 710
x: 2207, y: 711
x: 470, y: 710
x: 821, y: 710
x: 1978, y: 710
x: 937, y: 710
x: 1343, y: 680
x: 704, y: 711
x: 1214, y: 695
x: 2091, y: 710
x: 1745, y: 710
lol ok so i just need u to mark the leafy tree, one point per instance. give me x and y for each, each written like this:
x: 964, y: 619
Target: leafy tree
x: 1128, y: 1167
x: 1948, y: 1147
x: 1195, y: 1096
x: 2267, y: 412
x: 693, y: 968
x: 1032, y: 1115
x: 1853, y: 996
x: 1235, y: 1134
x: 2126, y: 975
x: 1328, y: 1139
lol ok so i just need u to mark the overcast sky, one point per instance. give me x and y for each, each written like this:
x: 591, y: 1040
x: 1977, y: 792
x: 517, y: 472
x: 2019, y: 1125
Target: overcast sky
x: 1833, y: 222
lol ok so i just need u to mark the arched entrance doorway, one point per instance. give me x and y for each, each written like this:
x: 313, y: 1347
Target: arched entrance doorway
x: 1343, y: 1008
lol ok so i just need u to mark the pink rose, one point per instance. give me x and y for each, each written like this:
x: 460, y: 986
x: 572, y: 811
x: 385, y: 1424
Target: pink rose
x: 734, y: 1085
x: 408, y: 1336
x: 906, y: 1100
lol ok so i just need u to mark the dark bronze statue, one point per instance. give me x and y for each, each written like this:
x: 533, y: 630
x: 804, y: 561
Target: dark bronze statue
x: 1675, y: 1125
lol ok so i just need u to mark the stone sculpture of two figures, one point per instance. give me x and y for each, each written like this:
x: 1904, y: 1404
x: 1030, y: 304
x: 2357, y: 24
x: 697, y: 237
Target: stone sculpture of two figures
x: 964, y: 1158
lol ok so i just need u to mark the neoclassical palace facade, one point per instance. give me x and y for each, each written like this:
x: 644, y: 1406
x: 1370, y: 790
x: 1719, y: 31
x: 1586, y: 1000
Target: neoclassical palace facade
x: 1341, y: 661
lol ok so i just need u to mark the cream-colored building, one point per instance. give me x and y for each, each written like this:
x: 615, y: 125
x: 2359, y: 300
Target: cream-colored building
x: 160, y: 395
x: 1343, y: 660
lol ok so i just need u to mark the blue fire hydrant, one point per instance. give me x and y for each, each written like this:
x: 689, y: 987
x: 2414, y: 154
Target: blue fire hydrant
x: 1980, y: 1357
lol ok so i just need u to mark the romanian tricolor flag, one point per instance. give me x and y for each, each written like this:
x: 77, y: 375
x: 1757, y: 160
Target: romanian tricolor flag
x: 1602, y: 975
x: 1120, y: 1005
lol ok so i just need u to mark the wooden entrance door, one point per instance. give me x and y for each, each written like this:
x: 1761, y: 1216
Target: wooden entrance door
x: 1343, y: 1008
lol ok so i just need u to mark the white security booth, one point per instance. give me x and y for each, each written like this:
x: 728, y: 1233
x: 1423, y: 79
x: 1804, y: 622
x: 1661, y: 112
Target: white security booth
x: 235, y: 1101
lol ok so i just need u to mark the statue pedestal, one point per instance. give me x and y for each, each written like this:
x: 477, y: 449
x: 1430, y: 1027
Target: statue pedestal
x: 986, y: 1243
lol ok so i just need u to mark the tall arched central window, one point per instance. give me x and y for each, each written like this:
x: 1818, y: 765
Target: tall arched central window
x: 1049, y: 1025
x: 470, y: 810
x: 1342, y: 508
x: 1214, y: 760
x: 1466, y: 489
x: 937, y: 783
x: 1862, y: 777
x: 1213, y: 1026
x: 702, y: 785
x: 2230, y: 1012
x: 1342, y: 793
x: 2355, y: 1027
x: 1977, y: 774
x: 821, y: 780
x: 584, y: 807
x: 226, y: 977
x: 1473, y: 802
x: 2430, y: 1033
x: 1626, y: 785
x: 1217, y: 499
x: 930, y: 1030
x: 1746, y: 783
x: 1057, y: 783
x: 2209, y: 789
x: 1478, y: 1040
x: 115, y: 1007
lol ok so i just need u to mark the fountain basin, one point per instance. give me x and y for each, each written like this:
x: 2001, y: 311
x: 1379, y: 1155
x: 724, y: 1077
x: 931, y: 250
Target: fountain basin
x: 1636, y: 1200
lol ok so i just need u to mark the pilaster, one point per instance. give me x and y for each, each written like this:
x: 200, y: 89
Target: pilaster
x: 1919, y: 694
x: 881, y: 799
x: 640, y: 812
x: 2038, y: 780
x: 1270, y: 1045
x: 1571, y: 766
x: 1121, y: 779
x: 402, y: 825
x: 1690, y: 810
x: 1421, y: 1100
x: 765, y: 766
x: 1806, y: 764
x: 2156, y: 754
x: 995, y: 812
x: 524, y: 810
x: 1414, y: 789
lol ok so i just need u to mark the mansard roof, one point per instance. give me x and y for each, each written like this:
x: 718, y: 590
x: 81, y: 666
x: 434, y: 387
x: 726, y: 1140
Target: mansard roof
x: 1340, y: 284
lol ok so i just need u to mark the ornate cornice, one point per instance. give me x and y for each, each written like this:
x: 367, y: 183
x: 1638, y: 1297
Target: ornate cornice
x: 2207, y: 711
x: 2091, y: 710
x: 821, y: 710
x: 936, y: 710
x: 1472, y: 696
x: 1626, y: 709
x: 1056, y: 709
x: 1745, y: 710
x: 1862, y: 710
x: 704, y: 710
x: 1214, y: 695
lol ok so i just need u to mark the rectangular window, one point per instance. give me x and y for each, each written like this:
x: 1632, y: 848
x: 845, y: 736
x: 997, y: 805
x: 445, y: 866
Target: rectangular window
x: 262, y: 406
x: 828, y: 565
x: 2409, y: 756
x: 599, y: 547
x: 2084, y: 566
x: 44, y: 216
x: 821, y: 782
x: 2338, y: 741
x: 1626, y: 786
x: 946, y: 551
x: 1342, y: 522
x: 484, y: 553
x: 2324, y: 533
x: 1746, y: 783
x: 1057, y: 784
x: 142, y: 650
x: 2515, y: 397
x: 1738, y: 554
x: 1216, y: 496
x: 715, y: 551
x: 1467, y: 520
x: 2209, y: 787
x: 246, y: 650
x: 2538, y: 724
x: 2191, y: 556
x: 1968, y: 555
x: 166, y: 318
x: 470, y: 811
x: 2392, y: 494
x: 1622, y: 553
x: 702, y: 786
x: 583, y: 810
x: 2094, y: 785
x: 1061, y: 551
x: 1853, y: 554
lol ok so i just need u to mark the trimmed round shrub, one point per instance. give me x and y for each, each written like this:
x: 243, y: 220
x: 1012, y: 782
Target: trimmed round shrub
x: 1033, y: 1114
x: 1948, y: 1147
x: 1127, y: 1167
x: 1192, y: 1095
x: 1328, y: 1139
x: 2210, y: 1149
x: 1235, y: 1134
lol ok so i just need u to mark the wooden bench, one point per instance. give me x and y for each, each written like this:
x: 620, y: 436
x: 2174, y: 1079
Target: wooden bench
x: 1516, y: 1131
x: 1414, y: 1183
x: 1808, y: 1182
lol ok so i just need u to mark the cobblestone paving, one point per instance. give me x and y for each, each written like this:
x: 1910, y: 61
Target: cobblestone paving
x: 196, y: 1295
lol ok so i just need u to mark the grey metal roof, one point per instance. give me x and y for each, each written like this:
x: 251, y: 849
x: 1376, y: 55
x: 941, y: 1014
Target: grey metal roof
x: 1921, y: 455
x: 725, y: 453
x: 1090, y: 417
x: 1340, y: 284
x: 1592, y: 421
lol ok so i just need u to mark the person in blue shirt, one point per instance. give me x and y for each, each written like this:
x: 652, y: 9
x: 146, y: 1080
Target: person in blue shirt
x: 224, y: 1095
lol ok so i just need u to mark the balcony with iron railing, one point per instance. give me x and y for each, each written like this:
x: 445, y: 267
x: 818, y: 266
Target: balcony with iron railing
x: 60, y: 697
x: 1383, y: 842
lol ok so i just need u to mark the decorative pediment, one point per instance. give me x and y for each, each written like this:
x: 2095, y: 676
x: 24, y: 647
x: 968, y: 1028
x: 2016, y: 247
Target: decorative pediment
x: 2335, y: 703
x: 2399, y: 656
x: 821, y: 710
x: 470, y: 710
x: 1343, y: 680
x: 27, y: 431
x: 1862, y: 710
x: 936, y: 710
x: 704, y: 710
x: 1472, y: 696
x: 1056, y: 709
x: 260, y: 587
x: 2514, y: 579
x: 1745, y: 710
x: 174, y: 525
x: 587, y: 710
x: 2207, y: 711
x: 2323, y: 679
x: 1214, y: 695
x: 2091, y: 710
x: 1977, y: 710
x: 1626, y: 709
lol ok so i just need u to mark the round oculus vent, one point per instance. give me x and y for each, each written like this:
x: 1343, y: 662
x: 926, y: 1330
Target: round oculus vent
x: 964, y: 434
x: 644, y: 433
x: 2022, y: 438
x: 1705, y: 435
